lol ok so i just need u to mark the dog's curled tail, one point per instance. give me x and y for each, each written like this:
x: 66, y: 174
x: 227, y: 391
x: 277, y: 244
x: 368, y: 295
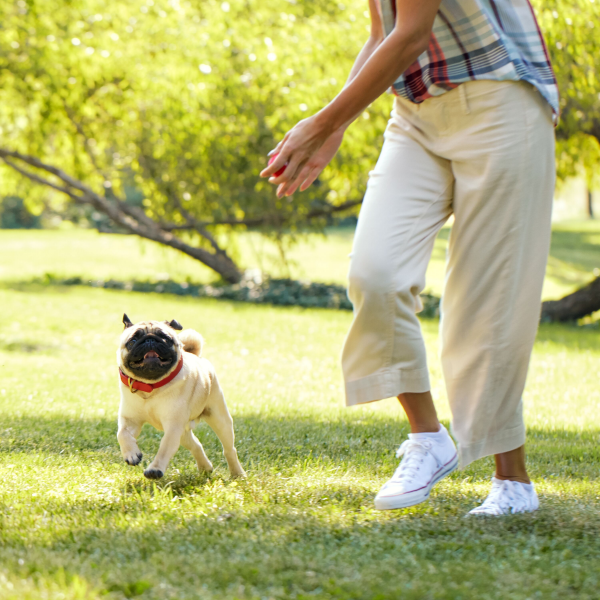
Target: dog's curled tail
x: 192, y: 341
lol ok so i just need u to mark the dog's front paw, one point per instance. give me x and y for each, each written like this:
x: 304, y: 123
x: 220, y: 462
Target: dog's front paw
x: 238, y: 474
x: 153, y: 473
x: 205, y: 466
x: 133, y: 458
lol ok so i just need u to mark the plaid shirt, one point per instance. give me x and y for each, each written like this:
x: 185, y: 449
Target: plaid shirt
x: 477, y: 39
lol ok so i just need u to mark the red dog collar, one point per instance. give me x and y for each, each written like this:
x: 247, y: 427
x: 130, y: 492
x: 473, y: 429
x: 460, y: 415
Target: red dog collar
x: 134, y: 385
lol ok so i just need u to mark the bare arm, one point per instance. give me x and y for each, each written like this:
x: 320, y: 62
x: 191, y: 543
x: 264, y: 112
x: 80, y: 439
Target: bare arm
x: 384, y: 61
x: 322, y: 157
x: 376, y: 36
x: 390, y: 59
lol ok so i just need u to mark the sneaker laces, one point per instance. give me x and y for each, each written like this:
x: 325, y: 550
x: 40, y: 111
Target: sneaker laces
x: 504, y: 498
x: 414, y: 453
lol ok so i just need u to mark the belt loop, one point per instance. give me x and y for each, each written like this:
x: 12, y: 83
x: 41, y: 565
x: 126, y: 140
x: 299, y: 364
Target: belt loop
x: 463, y: 99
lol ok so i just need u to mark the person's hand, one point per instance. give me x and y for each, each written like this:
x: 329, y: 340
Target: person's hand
x: 306, y: 150
x: 315, y: 165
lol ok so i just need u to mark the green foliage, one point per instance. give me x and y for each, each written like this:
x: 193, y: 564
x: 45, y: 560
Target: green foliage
x: 572, y: 31
x: 90, y: 256
x: 15, y: 215
x: 77, y: 523
x: 182, y: 100
x: 277, y: 292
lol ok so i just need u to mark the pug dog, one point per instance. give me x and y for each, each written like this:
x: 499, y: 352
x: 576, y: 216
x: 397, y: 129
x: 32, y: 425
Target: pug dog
x: 164, y: 381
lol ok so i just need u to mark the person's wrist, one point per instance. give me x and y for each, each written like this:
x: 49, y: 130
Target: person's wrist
x: 324, y: 123
x: 339, y: 132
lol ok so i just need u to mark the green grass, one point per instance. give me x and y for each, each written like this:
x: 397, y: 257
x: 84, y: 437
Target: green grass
x: 574, y: 256
x: 78, y: 523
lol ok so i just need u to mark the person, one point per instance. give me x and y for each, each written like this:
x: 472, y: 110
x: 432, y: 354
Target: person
x: 471, y: 135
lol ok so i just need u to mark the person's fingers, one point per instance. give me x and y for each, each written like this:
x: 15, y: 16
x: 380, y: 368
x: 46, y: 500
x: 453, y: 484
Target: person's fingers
x: 290, y: 175
x: 275, y: 166
x: 285, y: 138
x: 310, y: 179
x: 292, y: 166
x: 279, y: 162
x: 276, y: 149
x: 301, y: 177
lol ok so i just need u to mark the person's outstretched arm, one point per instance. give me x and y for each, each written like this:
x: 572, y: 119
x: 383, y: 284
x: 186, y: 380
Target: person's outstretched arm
x: 320, y: 159
x: 376, y: 37
x: 384, y: 61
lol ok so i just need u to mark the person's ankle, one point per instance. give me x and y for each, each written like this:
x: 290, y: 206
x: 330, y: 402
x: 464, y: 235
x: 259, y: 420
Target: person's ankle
x: 520, y: 478
x: 425, y: 427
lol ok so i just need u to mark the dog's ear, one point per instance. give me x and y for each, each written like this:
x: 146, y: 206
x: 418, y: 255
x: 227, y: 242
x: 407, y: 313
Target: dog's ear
x: 126, y: 321
x: 174, y: 324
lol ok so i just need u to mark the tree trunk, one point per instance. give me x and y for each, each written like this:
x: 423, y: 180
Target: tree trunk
x: 590, y: 204
x: 579, y: 304
x: 219, y: 261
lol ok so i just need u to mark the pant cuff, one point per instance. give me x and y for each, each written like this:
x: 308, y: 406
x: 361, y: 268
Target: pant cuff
x: 386, y: 384
x: 503, y: 442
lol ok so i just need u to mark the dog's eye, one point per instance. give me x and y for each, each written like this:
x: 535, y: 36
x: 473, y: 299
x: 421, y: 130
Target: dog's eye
x: 132, y: 341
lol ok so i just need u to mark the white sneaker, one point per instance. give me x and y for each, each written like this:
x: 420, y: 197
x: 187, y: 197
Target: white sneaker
x: 508, y: 497
x: 426, y: 461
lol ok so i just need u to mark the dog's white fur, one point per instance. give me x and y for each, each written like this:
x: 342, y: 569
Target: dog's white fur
x: 176, y: 408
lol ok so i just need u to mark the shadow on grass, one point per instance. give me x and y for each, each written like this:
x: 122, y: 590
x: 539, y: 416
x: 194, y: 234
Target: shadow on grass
x: 34, y: 287
x: 303, y: 538
x: 571, y: 336
x: 575, y: 249
x: 25, y: 346
x: 270, y: 445
x: 429, y: 551
x: 312, y: 559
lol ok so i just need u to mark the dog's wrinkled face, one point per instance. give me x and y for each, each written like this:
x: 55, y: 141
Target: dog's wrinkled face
x: 149, y: 350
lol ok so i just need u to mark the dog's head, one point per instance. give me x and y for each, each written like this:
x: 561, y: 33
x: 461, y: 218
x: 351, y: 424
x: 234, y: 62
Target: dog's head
x: 150, y: 350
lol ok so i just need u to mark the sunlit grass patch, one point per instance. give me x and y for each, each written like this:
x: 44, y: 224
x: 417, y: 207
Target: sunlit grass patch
x: 575, y: 253
x: 77, y: 522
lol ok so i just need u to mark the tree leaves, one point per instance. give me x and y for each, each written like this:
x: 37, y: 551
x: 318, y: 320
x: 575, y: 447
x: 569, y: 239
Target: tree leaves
x: 183, y: 100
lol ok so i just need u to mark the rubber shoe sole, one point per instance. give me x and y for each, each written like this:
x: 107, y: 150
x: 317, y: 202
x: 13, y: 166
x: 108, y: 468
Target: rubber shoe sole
x: 417, y: 496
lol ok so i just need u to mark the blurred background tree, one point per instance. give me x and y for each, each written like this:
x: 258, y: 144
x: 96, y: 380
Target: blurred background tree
x: 158, y: 114
x: 15, y: 215
x: 572, y: 31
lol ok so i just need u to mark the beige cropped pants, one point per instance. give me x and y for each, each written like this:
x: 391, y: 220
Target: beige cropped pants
x: 485, y: 153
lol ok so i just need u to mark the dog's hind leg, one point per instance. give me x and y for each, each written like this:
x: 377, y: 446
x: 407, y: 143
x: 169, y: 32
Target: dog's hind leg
x: 127, y: 435
x: 192, y: 443
x: 219, y: 420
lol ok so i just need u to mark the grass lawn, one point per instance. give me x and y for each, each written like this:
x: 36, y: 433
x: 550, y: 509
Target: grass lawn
x: 574, y: 255
x: 77, y: 523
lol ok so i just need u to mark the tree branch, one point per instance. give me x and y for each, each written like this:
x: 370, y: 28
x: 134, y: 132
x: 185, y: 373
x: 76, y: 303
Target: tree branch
x: 265, y: 219
x: 193, y: 223
x: 42, y: 181
x: 131, y: 218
